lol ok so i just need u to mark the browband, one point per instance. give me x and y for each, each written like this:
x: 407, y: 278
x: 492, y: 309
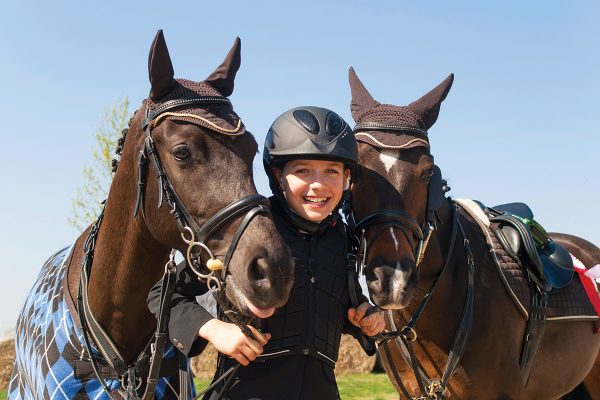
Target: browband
x: 374, y: 126
x: 171, y: 104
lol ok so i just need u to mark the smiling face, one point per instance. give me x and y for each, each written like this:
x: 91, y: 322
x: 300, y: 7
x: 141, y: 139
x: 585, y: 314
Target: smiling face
x: 312, y: 188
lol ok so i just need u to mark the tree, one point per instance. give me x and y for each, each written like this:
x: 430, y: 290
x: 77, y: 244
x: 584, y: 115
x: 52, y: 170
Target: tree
x: 86, y: 204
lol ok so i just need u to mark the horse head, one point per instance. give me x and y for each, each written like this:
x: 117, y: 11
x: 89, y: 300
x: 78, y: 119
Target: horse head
x: 194, y: 188
x: 396, y: 164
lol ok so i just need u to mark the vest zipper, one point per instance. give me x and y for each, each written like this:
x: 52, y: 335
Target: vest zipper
x: 310, y: 297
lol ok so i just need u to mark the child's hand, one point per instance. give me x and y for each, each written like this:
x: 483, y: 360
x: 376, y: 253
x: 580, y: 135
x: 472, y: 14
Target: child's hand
x: 369, y: 325
x: 229, y: 340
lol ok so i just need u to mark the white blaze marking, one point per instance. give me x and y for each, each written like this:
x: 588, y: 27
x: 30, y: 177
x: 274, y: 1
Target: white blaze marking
x: 388, y: 157
x: 396, y: 244
x: 394, y: 238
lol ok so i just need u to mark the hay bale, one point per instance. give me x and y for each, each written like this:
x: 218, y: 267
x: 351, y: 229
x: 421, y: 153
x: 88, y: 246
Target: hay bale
x: 7, y: 358
x: 205, y: 365
x: 352, y: 358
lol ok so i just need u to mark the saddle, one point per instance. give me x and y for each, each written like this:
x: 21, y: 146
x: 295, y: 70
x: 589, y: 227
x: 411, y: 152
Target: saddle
x: 537, y: 272
x: 548, y: 264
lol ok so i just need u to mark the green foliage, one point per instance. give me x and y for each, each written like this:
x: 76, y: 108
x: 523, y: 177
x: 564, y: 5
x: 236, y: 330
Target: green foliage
x: 97, y: 176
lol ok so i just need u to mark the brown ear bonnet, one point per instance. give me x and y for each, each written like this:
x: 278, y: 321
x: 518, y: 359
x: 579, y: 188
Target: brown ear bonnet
x: 395, y: 127
x: 217, y: 116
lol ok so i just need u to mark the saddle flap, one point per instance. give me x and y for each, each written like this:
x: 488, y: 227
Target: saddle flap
x: 526, y: 241
x: 511, y: 240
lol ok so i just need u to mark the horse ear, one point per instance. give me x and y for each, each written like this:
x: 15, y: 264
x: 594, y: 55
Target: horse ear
x: 160, y: 68
x: 222, y: 78
x: 361, y: 98
x: 428, y: 106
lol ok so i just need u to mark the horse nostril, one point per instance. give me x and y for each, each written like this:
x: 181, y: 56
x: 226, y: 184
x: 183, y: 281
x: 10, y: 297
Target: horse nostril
x: 258, y: 273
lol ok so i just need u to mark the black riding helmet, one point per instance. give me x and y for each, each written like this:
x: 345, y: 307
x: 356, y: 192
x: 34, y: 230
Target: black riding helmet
x: 307, y: 133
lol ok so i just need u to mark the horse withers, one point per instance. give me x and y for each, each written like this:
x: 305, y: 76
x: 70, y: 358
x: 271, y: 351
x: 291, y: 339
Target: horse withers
x: 455, y: 330
x: 187, y: 151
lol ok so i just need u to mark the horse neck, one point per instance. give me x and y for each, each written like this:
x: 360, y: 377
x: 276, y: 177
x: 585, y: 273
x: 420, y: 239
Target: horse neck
x: 127, y: 262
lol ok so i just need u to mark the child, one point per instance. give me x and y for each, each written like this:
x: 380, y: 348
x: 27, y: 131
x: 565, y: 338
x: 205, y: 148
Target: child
x: 309, y: 156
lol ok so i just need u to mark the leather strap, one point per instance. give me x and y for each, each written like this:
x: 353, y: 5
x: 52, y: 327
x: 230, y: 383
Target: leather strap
x: 395, y: 217
x: 534, y: 332
x: 374, y: 126
x: 188, y: 101
x: 161, y: 336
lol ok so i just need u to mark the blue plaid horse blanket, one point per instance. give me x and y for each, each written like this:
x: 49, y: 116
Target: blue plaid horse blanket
x: 49, y: 347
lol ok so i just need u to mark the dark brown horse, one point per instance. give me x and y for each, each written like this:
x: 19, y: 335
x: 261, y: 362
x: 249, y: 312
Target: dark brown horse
x: 396, y: 163
x: 186, y: 151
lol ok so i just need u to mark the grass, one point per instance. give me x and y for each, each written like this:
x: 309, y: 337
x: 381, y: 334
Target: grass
x: 352, y: 387
x: 366, y: 387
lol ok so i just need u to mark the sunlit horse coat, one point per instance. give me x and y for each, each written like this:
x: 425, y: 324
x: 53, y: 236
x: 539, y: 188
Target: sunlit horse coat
x: 50, y: 354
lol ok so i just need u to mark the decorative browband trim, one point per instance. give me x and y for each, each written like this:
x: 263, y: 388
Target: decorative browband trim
x: 168, y: 105
x: 210, y: 124
x: 373, y: 126
x: 379, y: 143
x: 172, y: 104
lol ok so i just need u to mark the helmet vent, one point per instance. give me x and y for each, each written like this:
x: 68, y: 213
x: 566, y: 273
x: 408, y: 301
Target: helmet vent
x: 270, y: 140
x: 307, y: 120
x: 334, y: 125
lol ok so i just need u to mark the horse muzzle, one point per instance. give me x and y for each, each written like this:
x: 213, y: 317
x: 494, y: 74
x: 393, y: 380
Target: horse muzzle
x: 391, y: 286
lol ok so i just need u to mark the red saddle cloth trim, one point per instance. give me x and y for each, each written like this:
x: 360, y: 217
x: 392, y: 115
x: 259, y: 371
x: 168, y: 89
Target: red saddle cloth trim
x: 589, y: 285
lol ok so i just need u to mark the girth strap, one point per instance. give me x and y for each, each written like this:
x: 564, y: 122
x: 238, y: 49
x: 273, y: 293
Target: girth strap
x: 534, y: 332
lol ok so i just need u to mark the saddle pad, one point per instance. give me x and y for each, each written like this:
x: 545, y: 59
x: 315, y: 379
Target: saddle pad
x: 49, y: 346
x: 568, y: 303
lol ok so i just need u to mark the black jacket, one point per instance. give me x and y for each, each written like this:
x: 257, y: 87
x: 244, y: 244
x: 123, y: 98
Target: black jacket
x: 305, y: 333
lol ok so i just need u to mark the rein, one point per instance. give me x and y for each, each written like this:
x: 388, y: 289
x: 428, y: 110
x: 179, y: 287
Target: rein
x: 193, y: 235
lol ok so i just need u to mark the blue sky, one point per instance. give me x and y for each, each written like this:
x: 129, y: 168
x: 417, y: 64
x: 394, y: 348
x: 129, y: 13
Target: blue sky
x: 520, y: 123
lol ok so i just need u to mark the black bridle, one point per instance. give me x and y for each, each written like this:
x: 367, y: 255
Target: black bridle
x: 194, y: 235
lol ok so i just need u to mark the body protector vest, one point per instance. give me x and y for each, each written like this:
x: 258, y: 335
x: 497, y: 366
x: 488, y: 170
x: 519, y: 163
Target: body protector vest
x: 312, y: 320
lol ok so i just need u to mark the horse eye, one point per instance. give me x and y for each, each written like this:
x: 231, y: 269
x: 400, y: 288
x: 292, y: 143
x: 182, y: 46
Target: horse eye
x: 428, y: 173
x: 181, y: 153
